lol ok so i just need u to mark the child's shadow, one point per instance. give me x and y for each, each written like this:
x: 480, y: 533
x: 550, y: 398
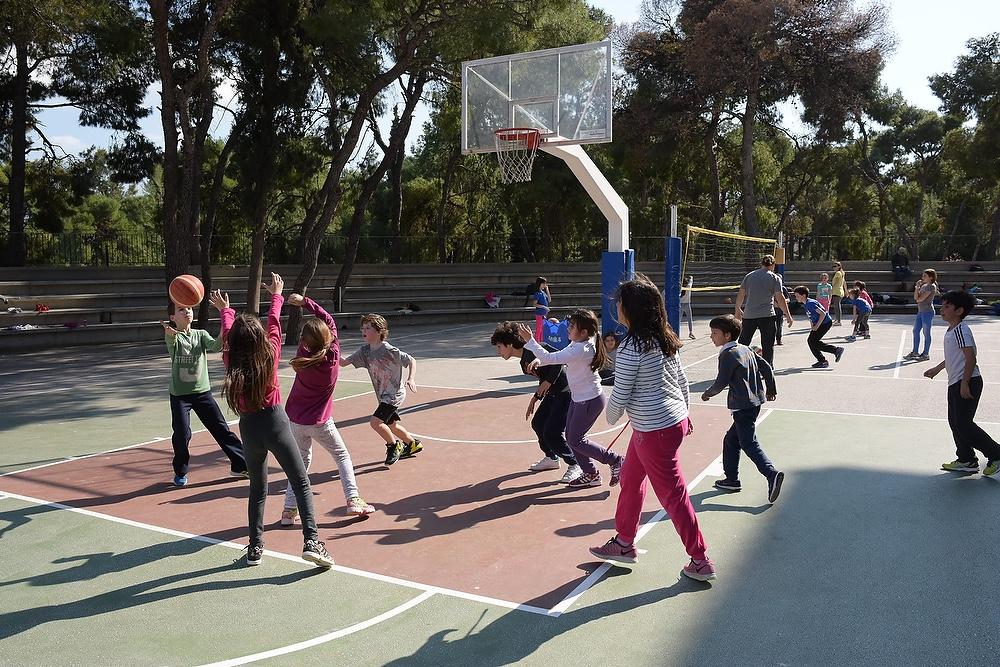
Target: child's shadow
x: 698, y: 500
x: 892, y: 364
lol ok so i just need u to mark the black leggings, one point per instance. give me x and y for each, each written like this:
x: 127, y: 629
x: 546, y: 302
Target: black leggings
x: 816, y: 344
x: 266, y: 431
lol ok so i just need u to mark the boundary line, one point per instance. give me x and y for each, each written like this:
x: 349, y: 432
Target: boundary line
x: 472, y: 597
x: 135, y: 446
x: 596, y: 575
x: 323, y: 639
x: 899, y: 355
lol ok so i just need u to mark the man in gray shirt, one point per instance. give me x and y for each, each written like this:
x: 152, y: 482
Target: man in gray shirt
x: 759, y: 293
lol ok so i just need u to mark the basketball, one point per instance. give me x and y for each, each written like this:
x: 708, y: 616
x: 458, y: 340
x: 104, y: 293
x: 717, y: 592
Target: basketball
x: 186, y: 291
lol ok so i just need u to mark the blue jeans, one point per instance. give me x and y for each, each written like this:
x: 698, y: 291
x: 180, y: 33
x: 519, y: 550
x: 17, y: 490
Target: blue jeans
x: 742, y: 436
x: 923, y: 321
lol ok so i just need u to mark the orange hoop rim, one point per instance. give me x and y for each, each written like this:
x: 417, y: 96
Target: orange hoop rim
x: 530, y: 135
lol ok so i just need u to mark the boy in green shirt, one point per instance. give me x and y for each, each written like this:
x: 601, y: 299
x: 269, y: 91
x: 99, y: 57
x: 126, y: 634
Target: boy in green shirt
x: 191, y: 390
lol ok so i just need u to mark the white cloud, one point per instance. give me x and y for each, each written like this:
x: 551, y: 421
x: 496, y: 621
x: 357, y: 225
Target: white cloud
x: 68, y: 142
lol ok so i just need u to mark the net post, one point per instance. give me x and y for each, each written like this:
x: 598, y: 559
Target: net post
x: 673, y: 219
x: 672, y: 281
x: 616, y: 267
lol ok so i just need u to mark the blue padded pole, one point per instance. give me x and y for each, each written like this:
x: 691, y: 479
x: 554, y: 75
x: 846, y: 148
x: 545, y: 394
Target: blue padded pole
x: 672, y: 281
x: 616, y: 267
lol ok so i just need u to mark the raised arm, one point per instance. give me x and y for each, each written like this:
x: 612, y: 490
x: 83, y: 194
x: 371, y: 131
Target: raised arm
x: 569, y: 353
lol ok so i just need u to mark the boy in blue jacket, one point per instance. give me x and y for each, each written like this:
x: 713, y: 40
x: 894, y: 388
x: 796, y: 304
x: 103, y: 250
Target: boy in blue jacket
x: 751, y: 383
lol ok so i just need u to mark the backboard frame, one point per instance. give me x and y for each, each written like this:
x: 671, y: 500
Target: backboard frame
x: 520, y: 116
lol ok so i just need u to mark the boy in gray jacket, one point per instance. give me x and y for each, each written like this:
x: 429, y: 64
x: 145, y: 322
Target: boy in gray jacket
x: 751, y: 383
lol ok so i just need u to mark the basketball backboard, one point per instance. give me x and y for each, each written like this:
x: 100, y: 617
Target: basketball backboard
x: 564, y: 93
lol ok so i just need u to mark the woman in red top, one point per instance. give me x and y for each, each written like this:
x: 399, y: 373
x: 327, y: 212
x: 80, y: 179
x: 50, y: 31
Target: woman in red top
x: 251, y: 357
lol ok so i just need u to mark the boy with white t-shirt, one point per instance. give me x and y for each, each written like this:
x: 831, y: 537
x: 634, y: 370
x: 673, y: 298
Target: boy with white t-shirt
x: 965, y: 387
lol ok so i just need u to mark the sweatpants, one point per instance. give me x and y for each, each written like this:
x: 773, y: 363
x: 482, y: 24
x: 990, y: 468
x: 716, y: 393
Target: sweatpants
x: 767, y: 332
x: 653, y: 456
x: 861, y: 324
x: 816, y: 344
x: 686, y: 312
x: 328, y: 436
x: 969, y: 436
x: 549, y: 424
x: 266, y: 431
x: 581, y: 419
x: 208, y: 412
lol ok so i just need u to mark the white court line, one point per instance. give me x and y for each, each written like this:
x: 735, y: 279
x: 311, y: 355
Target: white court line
x: 141, y: 444
x: 594, y: 576
x: 865, y: 414
x: 323, y: 639
x: 287, y: 557
x: 899, y: 355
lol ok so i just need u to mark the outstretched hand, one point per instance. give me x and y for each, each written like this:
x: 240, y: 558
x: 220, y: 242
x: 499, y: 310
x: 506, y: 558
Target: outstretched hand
x: 295, y: 299
x: 168, y: 329
x: 524, y: 332
x: 219, y: 300
x: 277, y: 284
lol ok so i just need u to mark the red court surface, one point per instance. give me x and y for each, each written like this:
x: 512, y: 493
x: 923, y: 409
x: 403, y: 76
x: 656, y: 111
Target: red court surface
x: 465, y: 516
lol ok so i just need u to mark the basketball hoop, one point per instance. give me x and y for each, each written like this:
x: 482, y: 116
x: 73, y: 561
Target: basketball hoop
x: 516, y: 147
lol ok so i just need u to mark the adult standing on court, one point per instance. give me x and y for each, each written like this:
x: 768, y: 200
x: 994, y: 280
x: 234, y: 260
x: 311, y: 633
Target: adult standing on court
x: 838, y: 292
x: 760, y: 292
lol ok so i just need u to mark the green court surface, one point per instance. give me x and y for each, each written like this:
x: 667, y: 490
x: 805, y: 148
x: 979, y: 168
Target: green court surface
x: 871, y: 555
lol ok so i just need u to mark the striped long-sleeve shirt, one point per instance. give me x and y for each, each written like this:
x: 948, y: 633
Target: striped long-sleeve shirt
x: 651, y: 387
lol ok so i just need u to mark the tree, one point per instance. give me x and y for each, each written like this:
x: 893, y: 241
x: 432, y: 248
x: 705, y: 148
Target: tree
x: 86, y: 54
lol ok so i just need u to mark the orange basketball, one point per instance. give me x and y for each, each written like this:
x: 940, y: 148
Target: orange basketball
x: 187, y: 291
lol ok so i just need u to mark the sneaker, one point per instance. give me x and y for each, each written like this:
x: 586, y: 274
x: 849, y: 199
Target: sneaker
x: 728, y: 485
x: 180, y: 480
x: 571, y: 473
x: 544, y: 463
x: 692, y: 337
x: 255, y: 553
x: 359, y: 507
x: 774, y: 486
x: 410, y: 449
x: 243, y: 474
x: 288, y: 516
x: 392, y: 452
x: 821, y: 364
x: 992, y: 467
x: 586, y: 480
x: 315, y: 551
x: 962, y: 466
x: 867, y: 336
x: 924, y: 357
x: 911, y: 356
x: 778, y: 342
x: 703, y: 571
x: 851, y: 338
x: 838, y: 354
x: 614, y: 550
x: 616, y: 471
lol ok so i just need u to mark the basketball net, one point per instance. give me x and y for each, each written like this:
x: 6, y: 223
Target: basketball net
x: 516, y: 148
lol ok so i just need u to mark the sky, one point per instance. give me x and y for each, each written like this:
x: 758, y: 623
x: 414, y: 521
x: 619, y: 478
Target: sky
x: 929, y: 38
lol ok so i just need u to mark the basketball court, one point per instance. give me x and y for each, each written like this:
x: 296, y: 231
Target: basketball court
x: 471, y: 559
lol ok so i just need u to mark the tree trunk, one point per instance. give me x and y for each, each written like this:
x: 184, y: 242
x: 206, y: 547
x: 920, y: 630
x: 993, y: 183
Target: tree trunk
x: 175, y: 239
x: 711, y: 148
x: 954, y: 227
x: 994, y: 242
x: 208, y: 224
x: 449, y: 174
x: 396, y: 205
x: 194, y: 169
x: 749, y: 199
x: 17, y: 247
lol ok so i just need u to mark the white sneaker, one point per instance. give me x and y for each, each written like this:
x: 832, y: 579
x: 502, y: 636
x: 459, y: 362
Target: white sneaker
x: 571, y: 473
x: 545, y: 463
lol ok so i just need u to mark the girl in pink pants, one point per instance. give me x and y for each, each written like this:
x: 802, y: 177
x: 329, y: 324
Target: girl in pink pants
x: 651, y: 387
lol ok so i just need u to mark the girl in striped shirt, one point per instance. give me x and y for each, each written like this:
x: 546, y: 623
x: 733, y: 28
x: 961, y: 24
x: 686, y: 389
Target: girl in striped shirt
x: 651, y: 387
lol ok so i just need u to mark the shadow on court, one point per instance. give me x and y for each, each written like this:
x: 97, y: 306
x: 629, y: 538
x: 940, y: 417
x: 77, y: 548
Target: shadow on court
x: 850, y: 567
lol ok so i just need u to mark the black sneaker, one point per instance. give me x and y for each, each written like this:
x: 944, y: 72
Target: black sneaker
x: 315, y: 551
x: 728, y: 485
x: 255, y: 553
x: 838, y: 354
x: 392, y: 452
x: 821, y: 364
x: 774, y: 486
x: 411, y: 449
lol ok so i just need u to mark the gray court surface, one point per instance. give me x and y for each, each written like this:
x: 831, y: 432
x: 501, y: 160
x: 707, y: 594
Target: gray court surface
x: 871, y: 556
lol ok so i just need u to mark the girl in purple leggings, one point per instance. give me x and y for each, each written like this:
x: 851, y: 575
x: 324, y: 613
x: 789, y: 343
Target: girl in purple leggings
x: 583, y: 358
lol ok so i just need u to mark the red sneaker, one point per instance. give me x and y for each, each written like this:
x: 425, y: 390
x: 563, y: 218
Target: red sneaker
x: 700, y: 570
x: 613, y: 550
